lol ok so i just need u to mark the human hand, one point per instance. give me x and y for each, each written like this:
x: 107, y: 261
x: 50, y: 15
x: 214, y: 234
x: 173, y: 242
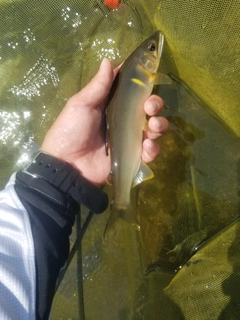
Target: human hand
x: 77, y: 136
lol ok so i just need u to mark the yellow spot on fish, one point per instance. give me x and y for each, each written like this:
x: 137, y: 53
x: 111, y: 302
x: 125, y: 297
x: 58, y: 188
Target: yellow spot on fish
x: 137, y: 81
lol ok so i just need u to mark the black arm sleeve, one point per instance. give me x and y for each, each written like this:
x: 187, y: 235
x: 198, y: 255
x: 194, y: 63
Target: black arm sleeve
x: 52, y: 215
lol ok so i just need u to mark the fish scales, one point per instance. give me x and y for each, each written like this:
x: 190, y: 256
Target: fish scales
x: 126, y: 117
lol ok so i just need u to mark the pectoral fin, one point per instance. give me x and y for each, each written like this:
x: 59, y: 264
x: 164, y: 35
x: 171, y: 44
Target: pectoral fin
x: 161, y: 78
x: 144, y: 173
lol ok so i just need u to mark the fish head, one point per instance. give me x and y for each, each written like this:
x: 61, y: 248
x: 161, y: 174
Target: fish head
x: 150, y: 52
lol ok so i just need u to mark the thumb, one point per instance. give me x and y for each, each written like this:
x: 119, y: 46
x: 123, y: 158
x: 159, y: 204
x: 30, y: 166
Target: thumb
x: 98, y: 88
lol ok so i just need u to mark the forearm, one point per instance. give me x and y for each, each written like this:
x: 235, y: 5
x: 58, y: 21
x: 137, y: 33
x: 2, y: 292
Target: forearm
x: 51, y: 214
x: 17, y: 258
x: 36, y: 221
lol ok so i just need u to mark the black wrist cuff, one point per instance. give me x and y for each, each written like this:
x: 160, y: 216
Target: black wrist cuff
x: 68, y: 180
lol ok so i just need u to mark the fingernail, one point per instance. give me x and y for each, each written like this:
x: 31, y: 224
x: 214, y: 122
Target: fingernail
x: 155, y: 107
x: 158, y: 124
x: 103, y: 63
x: 149, y: 143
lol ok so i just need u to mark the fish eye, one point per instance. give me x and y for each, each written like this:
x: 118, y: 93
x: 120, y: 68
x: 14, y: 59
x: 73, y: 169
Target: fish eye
x: 152, y: 47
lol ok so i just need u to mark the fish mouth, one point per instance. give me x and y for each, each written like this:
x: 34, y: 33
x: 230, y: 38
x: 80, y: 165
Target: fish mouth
x: 160, y: 43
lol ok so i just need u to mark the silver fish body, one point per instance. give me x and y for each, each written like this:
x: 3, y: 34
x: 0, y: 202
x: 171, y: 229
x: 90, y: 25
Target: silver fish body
x: 126, y: 117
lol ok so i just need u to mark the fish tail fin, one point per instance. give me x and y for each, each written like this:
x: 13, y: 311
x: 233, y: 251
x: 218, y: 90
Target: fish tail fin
x: 126, y: 214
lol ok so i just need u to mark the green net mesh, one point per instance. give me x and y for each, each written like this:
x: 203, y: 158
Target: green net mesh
x: 48, y: 51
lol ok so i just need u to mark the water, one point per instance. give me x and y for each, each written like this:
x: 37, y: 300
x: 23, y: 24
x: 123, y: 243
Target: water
x: 45, y: 57
x: 187, y: 203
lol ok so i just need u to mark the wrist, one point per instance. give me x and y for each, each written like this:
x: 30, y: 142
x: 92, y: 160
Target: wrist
x: 67, y: 179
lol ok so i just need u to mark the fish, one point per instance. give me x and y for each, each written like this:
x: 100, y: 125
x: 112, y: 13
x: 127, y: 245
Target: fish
x: 126, y: 121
